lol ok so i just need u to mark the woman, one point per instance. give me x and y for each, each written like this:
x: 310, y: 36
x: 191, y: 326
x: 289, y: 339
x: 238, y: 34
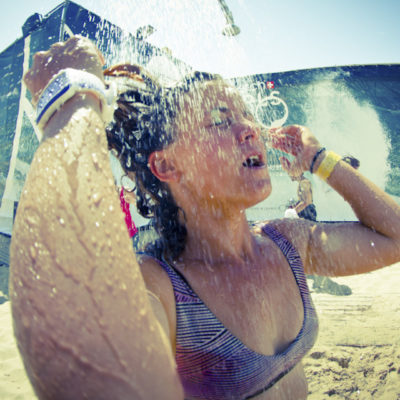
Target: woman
x: 230, y: 304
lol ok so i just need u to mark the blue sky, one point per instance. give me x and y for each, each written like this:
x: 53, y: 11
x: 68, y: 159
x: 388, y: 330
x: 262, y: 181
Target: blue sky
x: 276, y: 35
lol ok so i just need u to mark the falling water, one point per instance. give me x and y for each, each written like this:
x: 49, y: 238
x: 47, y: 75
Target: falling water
x: 330, y: 110
x: 339, y: 121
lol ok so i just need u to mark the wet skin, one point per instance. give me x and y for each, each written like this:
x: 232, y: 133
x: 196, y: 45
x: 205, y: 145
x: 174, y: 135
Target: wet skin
x: 216, y: 169
x: 82, y: 316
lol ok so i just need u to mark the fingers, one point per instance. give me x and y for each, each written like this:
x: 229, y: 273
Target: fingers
x: 293, y: 169
x: 297, y: 141
x: 285, y: 163
x: 77, y: 52
x: 286, y: 139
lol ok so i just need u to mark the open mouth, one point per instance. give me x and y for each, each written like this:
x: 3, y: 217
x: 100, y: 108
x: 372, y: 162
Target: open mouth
x: 254, y: 161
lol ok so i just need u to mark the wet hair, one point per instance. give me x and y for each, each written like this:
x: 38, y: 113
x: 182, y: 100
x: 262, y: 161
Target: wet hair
x: 143, y: 123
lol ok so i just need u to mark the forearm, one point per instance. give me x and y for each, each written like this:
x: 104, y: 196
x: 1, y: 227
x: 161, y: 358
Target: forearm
x: 352, y: 248
x: 79, y: 302
x: 373, y: 207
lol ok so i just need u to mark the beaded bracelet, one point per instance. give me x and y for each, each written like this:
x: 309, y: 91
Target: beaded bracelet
x: 327, y: 165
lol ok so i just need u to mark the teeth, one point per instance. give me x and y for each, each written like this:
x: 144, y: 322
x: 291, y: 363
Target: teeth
x: 253, y: 161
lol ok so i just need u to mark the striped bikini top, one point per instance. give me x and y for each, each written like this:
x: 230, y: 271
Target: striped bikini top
x: 212, y: 363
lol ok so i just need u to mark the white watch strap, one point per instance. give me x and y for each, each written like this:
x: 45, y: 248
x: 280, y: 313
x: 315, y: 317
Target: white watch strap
x: 65, y: 85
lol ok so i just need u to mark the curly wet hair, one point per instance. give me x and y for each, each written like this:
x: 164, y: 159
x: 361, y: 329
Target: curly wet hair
x: 144, y: 123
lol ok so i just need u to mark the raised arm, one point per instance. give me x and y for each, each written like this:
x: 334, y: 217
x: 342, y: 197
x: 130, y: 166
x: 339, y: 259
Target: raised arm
x: 343, y: 248
x: 82, y: 318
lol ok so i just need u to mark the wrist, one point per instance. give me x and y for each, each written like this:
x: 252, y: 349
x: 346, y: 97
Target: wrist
x: 67, y: 110
x: 318, y: 157
x: 326, y: 163
x: 65, y: 86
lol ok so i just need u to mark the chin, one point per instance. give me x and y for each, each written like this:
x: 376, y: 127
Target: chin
x: 257, y: 192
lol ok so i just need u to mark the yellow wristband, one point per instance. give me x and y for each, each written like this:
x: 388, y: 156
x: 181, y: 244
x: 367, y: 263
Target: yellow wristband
x: 327, y: 165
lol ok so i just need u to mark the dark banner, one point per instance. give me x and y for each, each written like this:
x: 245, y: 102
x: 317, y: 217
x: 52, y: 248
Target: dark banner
x: 353, y: 110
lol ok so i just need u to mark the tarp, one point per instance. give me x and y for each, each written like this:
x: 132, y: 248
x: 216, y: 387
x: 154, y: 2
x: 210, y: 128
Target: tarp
x: 19, y: 137
x: 352, y: 109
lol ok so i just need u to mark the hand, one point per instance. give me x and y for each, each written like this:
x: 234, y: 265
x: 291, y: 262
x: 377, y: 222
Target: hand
x: 299, y: 142
x: 77, y: 52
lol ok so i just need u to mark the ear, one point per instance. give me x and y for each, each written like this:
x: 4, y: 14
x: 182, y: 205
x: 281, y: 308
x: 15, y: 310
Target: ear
x: 163, y: 167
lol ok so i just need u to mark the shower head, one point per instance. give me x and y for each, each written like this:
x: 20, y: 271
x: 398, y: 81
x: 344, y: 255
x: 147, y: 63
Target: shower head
x: 230, y: 29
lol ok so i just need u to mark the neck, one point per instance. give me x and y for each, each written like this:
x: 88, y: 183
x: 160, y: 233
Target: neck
x: 217, y: 236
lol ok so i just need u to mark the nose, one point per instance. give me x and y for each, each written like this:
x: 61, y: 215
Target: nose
x: 249, y: 131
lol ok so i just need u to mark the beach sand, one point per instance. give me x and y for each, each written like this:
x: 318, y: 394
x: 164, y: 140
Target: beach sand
x: 357, y: 355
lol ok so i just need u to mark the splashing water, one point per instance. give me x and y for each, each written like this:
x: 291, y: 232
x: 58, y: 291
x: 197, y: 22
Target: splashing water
x: 193, y: 32
x: 341, y: 123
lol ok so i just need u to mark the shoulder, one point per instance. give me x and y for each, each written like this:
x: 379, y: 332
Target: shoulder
x: 157, y: 282
x: 161, y: 294
x: 154, y: 275
x: 296, y: 231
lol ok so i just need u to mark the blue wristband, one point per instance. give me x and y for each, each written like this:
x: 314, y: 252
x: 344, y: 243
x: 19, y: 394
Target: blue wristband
x: 315, y: 158
x: 65, y: 85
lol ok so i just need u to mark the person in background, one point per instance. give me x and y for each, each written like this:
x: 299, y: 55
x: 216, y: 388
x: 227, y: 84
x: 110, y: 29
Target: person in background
x: 305, y: 208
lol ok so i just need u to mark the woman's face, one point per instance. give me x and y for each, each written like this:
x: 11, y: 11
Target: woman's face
x: 219, y: 150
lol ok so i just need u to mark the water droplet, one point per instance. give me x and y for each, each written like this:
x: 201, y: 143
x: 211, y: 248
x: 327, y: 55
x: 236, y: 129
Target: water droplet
x: 111, y: 208
x: 96, y: 198
x: 62, y: 222
x: 37, y: 276
x: 95, y: 159
x: 33, y: 252
x: 142, y: 312
x: 372, y: 244
x: 97, y: 224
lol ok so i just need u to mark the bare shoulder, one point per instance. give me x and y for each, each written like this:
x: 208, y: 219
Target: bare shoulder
x: 161, y: 294
x: 155, y: 277
x: 297, y: 231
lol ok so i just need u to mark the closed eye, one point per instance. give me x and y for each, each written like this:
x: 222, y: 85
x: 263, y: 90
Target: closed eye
x: 222, y: 122
x: 219, y: 117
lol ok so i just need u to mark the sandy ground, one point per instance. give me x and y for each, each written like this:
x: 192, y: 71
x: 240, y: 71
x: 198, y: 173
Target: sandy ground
x: 357, y: 355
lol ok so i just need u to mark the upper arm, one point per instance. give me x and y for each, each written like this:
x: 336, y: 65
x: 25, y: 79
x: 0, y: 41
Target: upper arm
x: 347, y: 248
x: 73, y: 270
x: 338, y: 248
